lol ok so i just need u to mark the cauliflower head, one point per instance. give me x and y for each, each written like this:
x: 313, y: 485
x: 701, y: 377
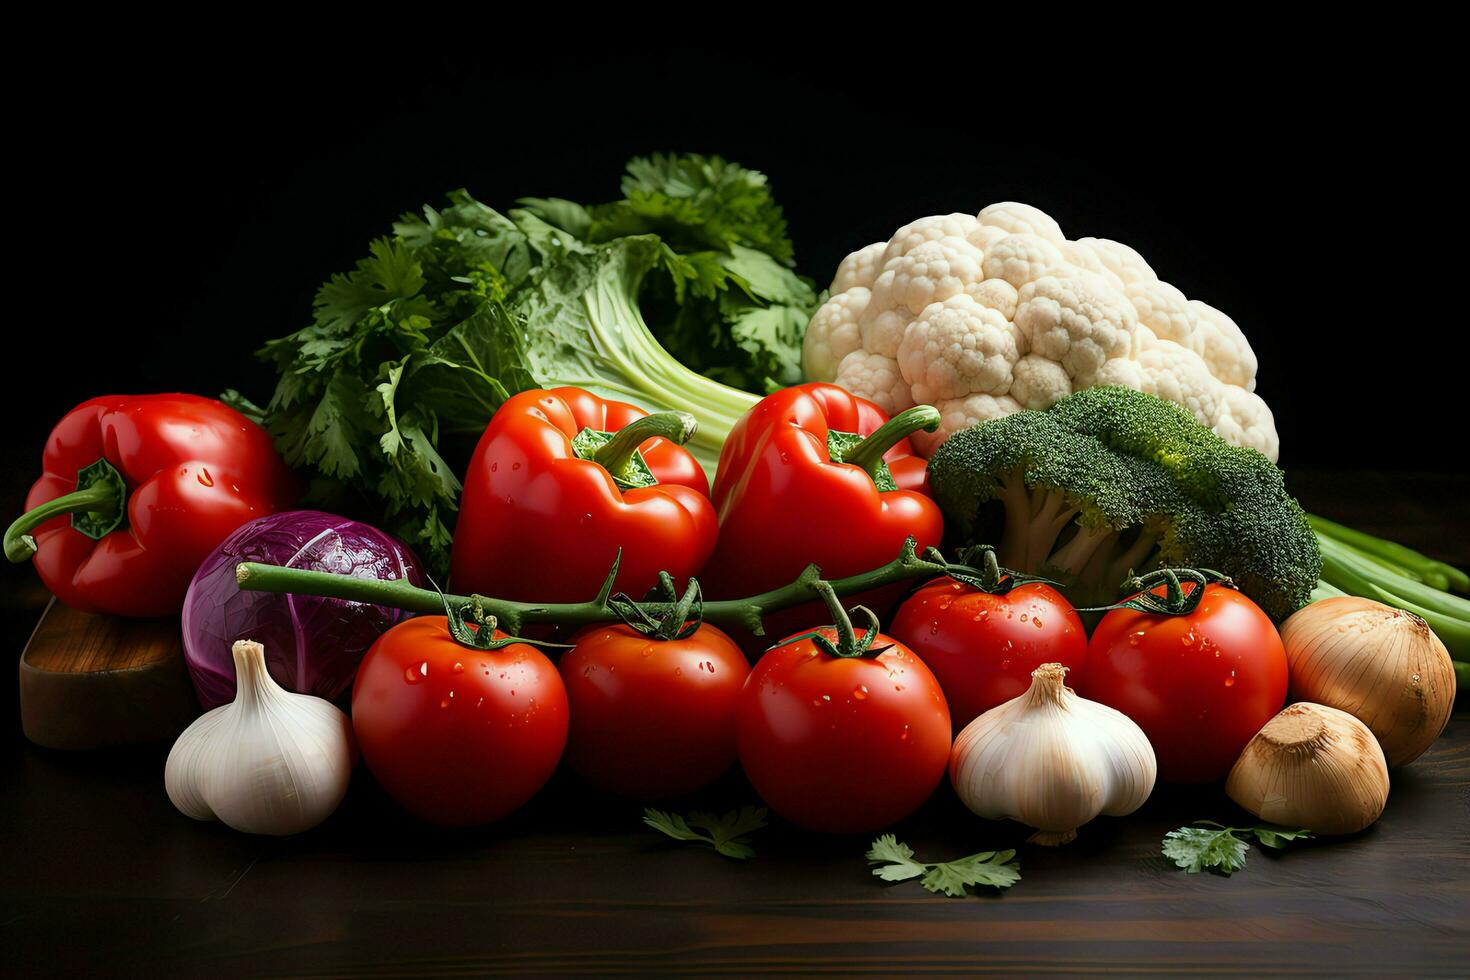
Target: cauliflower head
x: 985, y: 315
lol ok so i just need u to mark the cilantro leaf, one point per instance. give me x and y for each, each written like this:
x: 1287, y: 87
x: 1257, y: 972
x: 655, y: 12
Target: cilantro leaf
x: 1216, y: 848
x: 993, y: 869
x: 1273, y: 836
x: 726, y: 834
x: 1196, y: 848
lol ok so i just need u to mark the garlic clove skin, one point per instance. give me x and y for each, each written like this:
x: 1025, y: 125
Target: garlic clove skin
x: 1052, y: 760
x: 1382, y: 665
x: 1312, y: 766
x: 270, y: 762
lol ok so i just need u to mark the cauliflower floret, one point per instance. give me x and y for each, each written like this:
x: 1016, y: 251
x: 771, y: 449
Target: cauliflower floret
x: 1224, y: 347
x: 1165, y: 311
x: 1040, y: 383
x: 997, y: 294
x: 1079, y: 322
x: 859, y: 269
x: 833, y: 333
x: 1246, y: 420
x: 877, y: 379
x: 929, y: 273
x: 1120, y: 260
x: 1177, y: 374
x: 916, y: 233
x: 1019, y: 259
x: 956, y: 348
x: 987, y: 314
x: 1022, y: 219
x: 961, y: 413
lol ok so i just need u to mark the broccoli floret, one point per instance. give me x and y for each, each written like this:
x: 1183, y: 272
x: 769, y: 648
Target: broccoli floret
x: 1110, y: 481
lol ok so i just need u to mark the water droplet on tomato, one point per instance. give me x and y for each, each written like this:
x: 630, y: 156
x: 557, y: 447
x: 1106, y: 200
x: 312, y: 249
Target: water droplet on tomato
x: 1036, y: 621
x: 1188, y: 639
x: 860, y: 692
x: 678, y: 671
x: 648, y: 650
x: 494, y: 467
x: 411, y: 675
x: 515, y: 466
x: 944, y: 601
x: 1230, y: 681
x: 981, y: 616
x: 444, y: 703
x: 458, y: 667
x: 1024, y: 617
x: 1005, y: 665
x: 204, y: 478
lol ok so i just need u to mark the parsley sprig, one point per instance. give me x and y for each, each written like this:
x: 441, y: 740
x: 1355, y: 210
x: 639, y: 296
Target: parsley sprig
x: 993, y: 869
x: 726, y: 834
x: 1198, y: 847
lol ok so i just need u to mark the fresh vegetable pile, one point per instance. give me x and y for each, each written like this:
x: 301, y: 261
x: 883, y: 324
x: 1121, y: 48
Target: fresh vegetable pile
x: 1050, y: 559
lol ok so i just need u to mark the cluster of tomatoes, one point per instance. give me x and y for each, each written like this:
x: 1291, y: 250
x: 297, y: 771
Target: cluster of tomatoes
x: 835, y: 735
x: 832, y: 743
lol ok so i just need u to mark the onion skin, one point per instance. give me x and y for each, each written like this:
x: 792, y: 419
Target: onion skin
x: 1312, y: 766
x: 1382, y: 665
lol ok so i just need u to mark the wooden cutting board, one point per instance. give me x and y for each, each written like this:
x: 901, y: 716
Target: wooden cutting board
x: 91, y: 682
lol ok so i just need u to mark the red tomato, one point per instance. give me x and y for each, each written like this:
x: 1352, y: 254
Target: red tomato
x: 652, y: 718
x: 1199, y: 685
x: 983, y: 647
x: 457, y: 736
x: 842, y: 744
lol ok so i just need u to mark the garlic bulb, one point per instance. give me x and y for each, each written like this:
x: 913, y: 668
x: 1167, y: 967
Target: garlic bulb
x: 270, y: 762
x: 1382, y: 665
x: 1312, y: 766
x: 1052, y: 760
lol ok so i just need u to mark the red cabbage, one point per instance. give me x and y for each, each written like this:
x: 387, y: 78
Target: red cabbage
x: 312, y: 645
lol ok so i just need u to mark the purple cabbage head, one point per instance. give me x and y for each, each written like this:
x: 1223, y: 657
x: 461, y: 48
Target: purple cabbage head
x: 312, y: 645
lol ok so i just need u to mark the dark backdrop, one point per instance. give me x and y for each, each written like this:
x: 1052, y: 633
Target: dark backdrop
x: 179, y: 209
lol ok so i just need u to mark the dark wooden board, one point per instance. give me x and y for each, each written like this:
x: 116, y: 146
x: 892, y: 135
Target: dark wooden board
x: 100, y: 874
x: 90, y: 682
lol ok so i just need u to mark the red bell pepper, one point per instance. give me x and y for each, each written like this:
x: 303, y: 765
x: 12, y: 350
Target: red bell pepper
x: 135, y: 491
x: 560, y: 481
x: 817, y: 474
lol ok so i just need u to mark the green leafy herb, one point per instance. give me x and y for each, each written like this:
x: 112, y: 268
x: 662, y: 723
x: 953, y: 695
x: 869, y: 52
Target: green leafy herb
x: 725, y: 834
x: 994, y: 869
x: 664, y: 299
x: 1215, y: 847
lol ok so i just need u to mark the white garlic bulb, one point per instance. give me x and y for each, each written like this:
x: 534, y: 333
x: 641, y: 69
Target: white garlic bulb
x: 1052, y: 760
x: 270, y: 762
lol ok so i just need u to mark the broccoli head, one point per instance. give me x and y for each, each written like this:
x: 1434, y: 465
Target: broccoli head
x: 1110, y: 481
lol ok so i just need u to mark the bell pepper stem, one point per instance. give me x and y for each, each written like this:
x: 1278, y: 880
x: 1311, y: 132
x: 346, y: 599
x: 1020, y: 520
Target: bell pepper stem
x: 512, y: 616
x: 617, y: 453
x: 99, y: 499
x: 869, y: 453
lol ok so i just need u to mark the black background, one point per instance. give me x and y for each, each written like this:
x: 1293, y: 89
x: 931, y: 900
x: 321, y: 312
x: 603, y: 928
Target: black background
x: 178, y: 209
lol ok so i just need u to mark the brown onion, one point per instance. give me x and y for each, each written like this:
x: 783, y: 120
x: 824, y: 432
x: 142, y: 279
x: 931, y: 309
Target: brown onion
x: 1382, y: 665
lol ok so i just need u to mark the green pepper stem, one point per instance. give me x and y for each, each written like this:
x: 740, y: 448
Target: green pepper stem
x: 513, y: 616
x: 617, y: 453
x: 101, y: 499
x: 869, y: 453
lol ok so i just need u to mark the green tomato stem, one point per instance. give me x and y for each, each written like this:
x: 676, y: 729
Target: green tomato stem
x: 868, y: 454
x: 511, y: 616
x: 677, y: 427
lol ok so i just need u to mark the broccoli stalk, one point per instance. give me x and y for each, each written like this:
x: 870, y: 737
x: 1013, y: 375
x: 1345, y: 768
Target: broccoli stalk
x: 1110, y: 482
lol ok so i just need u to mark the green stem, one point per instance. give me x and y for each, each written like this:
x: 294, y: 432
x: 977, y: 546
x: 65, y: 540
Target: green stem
x: 868, y: 454
x: 677, y: 427
x: 98, y: 502
x: 513, y: 616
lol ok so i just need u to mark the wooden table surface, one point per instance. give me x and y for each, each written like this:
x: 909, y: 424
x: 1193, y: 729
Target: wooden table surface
x: 100, y: 874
